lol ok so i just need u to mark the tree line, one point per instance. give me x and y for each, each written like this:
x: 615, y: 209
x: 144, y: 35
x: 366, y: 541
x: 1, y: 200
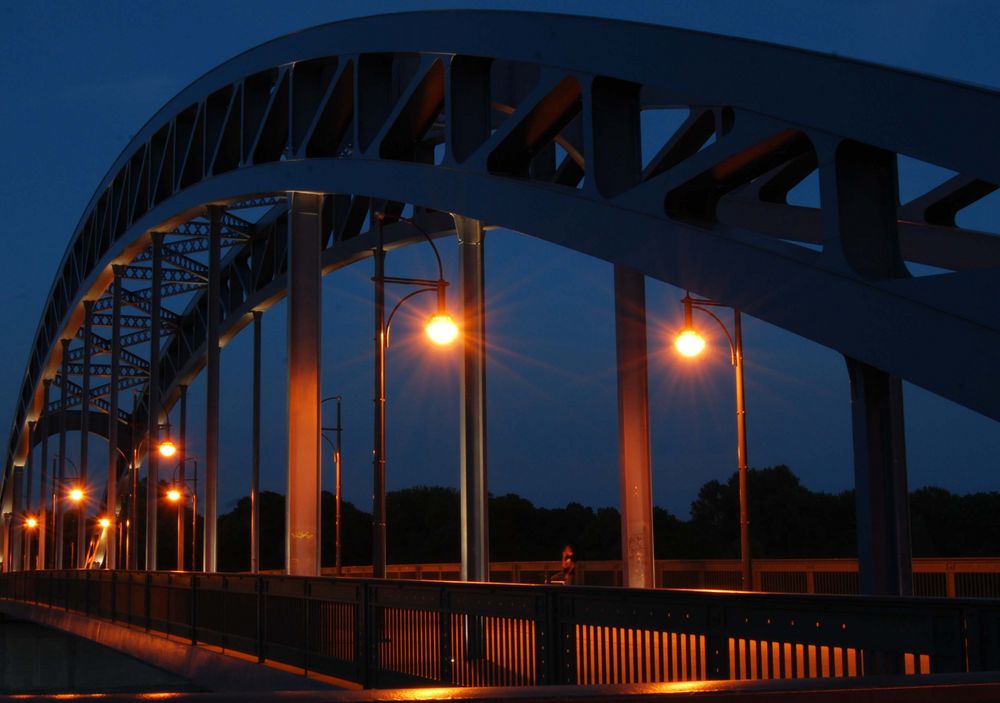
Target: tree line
x: 787, y: 519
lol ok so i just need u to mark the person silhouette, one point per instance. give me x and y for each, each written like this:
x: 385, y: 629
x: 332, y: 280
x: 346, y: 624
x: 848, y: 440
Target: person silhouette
x: 568, y: 571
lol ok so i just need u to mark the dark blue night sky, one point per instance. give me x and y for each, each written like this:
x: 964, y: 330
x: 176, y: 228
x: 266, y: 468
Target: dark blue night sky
x: 78, y: 80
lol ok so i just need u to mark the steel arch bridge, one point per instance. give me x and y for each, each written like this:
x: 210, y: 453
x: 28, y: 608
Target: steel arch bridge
x: 473, y: 118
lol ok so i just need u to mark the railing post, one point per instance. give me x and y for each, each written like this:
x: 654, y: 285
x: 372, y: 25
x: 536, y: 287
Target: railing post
x: 261, y: 618
x: 364, y: 657
x: 546, y: 645
x: 444, y: 633
x: 194, y: 606
x: 306, y: 593
x: 716, y: 647
x: 148, y: 589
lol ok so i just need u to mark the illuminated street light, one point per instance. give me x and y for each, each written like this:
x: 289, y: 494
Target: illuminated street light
x: 104, y: 522
x: 441, y: 329
x: 690, y: 343
x: 30, y: 523
x: 167, y: 448
x: 173, y: 495
x: 76, y: 495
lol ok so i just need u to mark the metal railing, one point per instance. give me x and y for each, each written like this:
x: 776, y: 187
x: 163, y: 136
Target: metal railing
x: 402, y: 633
x: 963, y: 577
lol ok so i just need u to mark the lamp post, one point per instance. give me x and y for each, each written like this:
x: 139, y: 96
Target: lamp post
x: 30, y: 524
x: 174, y: 495
x: 75, y: 495
x: 690, y: 343
x: 337, y: 484
x: 441, y: 330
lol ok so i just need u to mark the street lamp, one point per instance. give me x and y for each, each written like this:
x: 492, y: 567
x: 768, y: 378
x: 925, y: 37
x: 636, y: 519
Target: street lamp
x: 75, y: 494
x: 174, y: 494
x: 336, y: 480
x: 690, y: 343
x: 30, y: 523
x: 440, y: 328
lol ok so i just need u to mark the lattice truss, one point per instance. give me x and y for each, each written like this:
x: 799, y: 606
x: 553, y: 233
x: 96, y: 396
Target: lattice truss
x: 569, y: 136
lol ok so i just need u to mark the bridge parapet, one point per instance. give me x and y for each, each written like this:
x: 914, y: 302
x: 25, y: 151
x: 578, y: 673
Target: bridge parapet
x: 409, y: 633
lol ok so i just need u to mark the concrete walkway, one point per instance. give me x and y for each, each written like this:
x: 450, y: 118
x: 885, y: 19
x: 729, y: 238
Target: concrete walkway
x: 37, y: 659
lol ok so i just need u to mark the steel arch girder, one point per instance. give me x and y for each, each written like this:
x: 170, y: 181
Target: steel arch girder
x: 936, y: 332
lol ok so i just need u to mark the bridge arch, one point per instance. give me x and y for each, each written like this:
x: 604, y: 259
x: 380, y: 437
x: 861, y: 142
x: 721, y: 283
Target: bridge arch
x: 511, y: 119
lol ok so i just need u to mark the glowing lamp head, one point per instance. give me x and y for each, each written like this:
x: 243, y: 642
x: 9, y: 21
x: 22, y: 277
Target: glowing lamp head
x: 167, y: 448
x: 689, y: 343
x: 31, y: 523
x: 76, y: 495
x: 104, y: 522
x: 173, y: 495
x: 441, y: 329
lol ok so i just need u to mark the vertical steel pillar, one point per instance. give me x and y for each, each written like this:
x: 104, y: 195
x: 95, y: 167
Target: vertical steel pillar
x: 378, y: 444
x: 212, y: 390
x: 182, y: 438
x: 17, y: 518
x: 633, y: 429
x: 860, y: 199
x: 474, y: 494
x: 882, y: 498
x: 153, y: 404
x: 302, y: 546
x: 59, y: 546
x: 6, y: 542
x: 81, y: 522
x: 255, y: 450
x: 111, y: 505
x: 133, y: 520
x: 44, y: 492
x: 28, y: 480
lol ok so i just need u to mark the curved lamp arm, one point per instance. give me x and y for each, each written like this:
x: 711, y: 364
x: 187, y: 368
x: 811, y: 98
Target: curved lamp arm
x: 696, y: 304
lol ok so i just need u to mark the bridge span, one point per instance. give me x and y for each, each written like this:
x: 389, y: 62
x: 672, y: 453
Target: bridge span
x: 333, y: 146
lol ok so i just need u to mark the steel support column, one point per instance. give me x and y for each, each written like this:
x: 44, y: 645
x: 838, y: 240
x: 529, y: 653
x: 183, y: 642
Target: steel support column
x: 474, y: 495
x: 111, y: 504
x: 153, y: 403
x: 633, y: 429
x: 28, y: 480
x: 59, y: 546
x: 378, y: 443
x: 860, y: 199
x: 213, y: 308
x: 304, y: 329
x: 882, y: 498
x: 6, y: 542
x: 44, y: 492
x: 81, y: 521
x: 255, y: 449
x: 182, y: 484
x: 17, y: 518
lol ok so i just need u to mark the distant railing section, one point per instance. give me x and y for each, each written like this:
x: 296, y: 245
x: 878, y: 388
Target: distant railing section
x: 388, y: 633
x: 951, y: 578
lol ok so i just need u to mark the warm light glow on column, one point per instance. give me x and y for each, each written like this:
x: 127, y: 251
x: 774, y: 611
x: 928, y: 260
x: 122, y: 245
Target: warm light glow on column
x: 689, y: 343
x: 441, y: 329
x: 167, y: 448
x: 76, y: 495
x: 173, y: 495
